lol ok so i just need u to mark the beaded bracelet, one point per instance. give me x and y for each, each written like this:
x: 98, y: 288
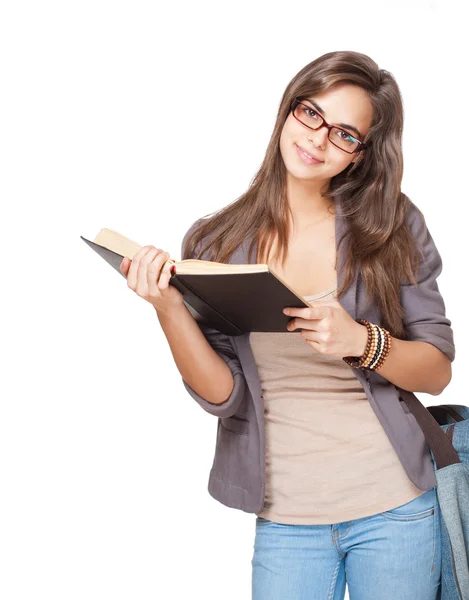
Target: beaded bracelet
x: 376, y: 351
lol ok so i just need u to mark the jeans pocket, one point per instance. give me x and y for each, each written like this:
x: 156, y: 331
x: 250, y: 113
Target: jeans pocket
x: 419, y: 508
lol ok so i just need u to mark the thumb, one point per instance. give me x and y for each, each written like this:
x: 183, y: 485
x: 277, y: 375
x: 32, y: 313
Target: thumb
x: 125, y: 264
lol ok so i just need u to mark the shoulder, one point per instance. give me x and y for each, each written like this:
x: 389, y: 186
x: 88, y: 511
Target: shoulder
x: 189, y: 232
x: 415, y: 219
x: 419, y: 230
x: 192, y: 228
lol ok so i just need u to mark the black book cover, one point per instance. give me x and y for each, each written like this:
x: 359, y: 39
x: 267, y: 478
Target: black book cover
x: 234, y: 303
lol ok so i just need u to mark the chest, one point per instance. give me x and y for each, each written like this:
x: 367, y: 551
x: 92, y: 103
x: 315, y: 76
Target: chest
x: 310, y: 265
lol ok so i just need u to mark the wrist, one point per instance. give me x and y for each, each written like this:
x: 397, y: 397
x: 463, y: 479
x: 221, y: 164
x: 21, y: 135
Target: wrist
x: 377, y: 348
x: 171, y: 313
x: 361, y: 340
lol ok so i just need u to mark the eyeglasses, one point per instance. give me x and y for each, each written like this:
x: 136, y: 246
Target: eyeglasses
x: 307, y: 116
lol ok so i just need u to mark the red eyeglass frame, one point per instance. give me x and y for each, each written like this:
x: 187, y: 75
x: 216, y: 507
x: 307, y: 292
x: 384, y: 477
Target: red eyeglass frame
x: 361, y: 145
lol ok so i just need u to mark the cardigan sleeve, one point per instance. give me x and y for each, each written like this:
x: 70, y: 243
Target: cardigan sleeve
x: 223, y: 346
x: 425, y: 312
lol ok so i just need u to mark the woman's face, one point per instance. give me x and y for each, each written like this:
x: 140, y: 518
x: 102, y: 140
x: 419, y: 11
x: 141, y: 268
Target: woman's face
x: 347, y: 104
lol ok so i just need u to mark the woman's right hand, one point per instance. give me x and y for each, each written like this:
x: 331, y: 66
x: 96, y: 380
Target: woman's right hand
x: 148, y: 276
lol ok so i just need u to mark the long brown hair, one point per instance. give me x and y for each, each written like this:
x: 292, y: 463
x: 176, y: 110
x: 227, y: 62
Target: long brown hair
x: 370, y: 190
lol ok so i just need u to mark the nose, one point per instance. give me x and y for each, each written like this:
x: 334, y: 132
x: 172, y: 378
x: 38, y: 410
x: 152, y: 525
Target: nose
x: 319, y: 137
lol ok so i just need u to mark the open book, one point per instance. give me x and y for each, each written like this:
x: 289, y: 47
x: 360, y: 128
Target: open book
x: 231, y: 298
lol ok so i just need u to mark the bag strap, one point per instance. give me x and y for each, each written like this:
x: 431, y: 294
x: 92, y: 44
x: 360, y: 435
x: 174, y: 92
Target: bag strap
x: 441, y: 412
x: 440, y: 441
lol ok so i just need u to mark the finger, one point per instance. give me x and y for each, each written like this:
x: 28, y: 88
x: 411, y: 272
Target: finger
x: 317, y: 340
x: 124, y: 266
x: 314, y: 345
x: 165, y: 276
x: 296, y: 312
x: 312, y: 312
x: 313, y: 336
x: 154, y: 272
x: 133, y: 266
x: 299, y: 323
x: 133, y: 279
x: 293, y: 324
x: 146, y: 271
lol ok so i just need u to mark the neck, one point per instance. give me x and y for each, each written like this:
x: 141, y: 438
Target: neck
x: 306, y: 203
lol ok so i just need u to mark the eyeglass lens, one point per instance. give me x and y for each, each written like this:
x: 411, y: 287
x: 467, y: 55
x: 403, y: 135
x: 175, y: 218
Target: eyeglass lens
x: 339, y: 137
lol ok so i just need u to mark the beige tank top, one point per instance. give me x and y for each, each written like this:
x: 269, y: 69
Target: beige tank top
x: 328, y: 459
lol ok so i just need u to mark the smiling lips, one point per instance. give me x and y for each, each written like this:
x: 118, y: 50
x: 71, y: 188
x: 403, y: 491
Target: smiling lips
x: 307, y: 157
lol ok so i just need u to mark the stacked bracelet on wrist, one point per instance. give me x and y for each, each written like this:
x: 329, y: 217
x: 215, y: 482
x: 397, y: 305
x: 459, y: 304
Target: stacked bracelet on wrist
x: 377, y: 348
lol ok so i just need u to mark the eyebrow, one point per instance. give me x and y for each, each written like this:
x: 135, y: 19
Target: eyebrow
x: 317, y: 107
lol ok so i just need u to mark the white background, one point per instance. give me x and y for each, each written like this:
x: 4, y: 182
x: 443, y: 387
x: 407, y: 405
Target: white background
x: 104, y: 457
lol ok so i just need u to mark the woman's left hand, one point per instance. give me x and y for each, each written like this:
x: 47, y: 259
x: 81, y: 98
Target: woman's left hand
x: 328, y: 328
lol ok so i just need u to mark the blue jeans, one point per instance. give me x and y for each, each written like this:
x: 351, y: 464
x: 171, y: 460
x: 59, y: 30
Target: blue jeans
x: 393, y: 555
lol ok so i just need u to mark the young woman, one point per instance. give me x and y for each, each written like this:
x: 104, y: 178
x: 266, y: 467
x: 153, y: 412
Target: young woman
x: 314, y: 436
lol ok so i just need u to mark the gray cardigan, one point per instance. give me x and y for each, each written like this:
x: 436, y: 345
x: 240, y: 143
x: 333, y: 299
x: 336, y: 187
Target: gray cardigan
x: 237, y: 476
